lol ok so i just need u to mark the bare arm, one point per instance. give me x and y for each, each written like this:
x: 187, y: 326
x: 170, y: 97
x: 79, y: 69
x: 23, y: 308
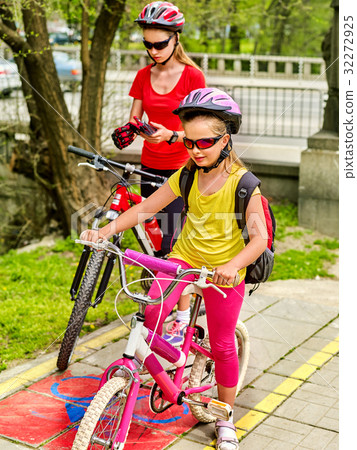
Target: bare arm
x: 136, y: 110
x: 137, y: 214
x: 258, y: 239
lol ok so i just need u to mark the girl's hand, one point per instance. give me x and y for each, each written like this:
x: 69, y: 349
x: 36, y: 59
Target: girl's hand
x: 224, y: 275
x: 161, y: 135
x: 91, y: 235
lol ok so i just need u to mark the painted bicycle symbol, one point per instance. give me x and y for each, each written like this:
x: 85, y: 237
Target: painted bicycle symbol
x: 77, y: 405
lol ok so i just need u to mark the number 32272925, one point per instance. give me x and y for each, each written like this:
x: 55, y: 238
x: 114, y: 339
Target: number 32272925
x: 348, y: 45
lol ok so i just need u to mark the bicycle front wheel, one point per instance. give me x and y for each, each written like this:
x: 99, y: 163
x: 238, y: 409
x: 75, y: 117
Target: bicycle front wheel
x: 80, y: 308
x: 101, y: 421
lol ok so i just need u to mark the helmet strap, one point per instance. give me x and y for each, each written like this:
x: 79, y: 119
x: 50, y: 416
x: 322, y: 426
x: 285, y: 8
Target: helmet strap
x: 224, y: 153
x: 147, y: 51
x: 173, y: 51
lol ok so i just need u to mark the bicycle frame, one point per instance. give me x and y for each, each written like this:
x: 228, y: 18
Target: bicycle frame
x: 138, y: 344
x: 144, y: 343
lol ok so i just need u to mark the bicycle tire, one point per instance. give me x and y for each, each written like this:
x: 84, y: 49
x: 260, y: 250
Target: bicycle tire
x: 203, y: 368
x: 80, y: 308
x: 243, y: 353
x: 103, y: 416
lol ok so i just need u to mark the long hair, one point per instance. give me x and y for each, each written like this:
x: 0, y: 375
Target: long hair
x: 182, y: 57
x: 218, y: 126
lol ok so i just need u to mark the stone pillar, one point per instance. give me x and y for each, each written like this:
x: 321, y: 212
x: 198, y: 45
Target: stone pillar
x: 330, y: 54
x: 318, y: 177
x: 318, y: 184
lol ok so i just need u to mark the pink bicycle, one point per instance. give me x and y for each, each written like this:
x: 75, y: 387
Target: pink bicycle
x: 106, y: 422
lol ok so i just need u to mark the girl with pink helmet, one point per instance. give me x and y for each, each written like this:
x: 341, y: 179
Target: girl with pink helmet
x: 210, y: 236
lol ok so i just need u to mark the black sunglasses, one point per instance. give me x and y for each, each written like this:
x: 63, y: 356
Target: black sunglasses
x: 157, y: 45
x: 201, y: 144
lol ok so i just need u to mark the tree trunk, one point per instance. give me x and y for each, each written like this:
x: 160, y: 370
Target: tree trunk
x: 235, y: 35
x: 71, y: 187
x: 281, y: 15
x: 94, y: 80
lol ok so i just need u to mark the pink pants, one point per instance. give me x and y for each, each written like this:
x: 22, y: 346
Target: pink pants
x: 222, y: 316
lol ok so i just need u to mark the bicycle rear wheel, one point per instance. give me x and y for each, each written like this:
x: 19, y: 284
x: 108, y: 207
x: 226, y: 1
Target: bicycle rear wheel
x: 80, y: 308
x: 101, y: 421
x: 203, y: 372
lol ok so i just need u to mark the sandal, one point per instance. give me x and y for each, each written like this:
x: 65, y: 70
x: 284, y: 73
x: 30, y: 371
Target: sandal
x: 225, y: 436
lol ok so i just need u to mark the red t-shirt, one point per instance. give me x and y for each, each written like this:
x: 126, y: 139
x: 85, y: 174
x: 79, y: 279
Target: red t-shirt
x: 159, y: 109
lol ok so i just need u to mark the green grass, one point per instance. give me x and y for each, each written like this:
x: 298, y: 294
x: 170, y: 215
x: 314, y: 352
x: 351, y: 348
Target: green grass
x: 298, y: 264
x: 35, y: 302
x: 286, y: 215
x: 331, y: 244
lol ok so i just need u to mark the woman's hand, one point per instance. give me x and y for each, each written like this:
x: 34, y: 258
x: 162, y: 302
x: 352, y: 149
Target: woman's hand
x: 224, y: 275
x: 161, y: 135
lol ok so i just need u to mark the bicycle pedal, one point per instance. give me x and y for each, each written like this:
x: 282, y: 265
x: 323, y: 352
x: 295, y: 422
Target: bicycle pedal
x: 219, y: 409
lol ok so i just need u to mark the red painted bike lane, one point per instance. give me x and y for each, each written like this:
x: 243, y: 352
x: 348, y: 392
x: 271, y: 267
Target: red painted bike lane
x: 46, y: 415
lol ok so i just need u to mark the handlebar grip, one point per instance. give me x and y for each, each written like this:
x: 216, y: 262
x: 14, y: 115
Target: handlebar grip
x: 132, y: 257
x: 80, y: 152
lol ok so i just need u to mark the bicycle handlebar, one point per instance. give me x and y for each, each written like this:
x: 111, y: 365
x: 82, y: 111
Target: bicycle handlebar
x: 151, y: 262
x: 80, y: 152
x: 108, y: 162
x: 162, y: 265
x: 169, y: 267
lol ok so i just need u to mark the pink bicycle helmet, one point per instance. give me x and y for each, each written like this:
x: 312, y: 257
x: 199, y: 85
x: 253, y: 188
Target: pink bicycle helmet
x: 161, y: 15
x: 216, y: 101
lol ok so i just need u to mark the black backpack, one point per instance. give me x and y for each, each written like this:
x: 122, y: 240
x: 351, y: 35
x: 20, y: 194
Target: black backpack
x: 260, y: 270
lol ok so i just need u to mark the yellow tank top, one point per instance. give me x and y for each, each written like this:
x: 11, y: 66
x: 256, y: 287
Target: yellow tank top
x: 211, y: 236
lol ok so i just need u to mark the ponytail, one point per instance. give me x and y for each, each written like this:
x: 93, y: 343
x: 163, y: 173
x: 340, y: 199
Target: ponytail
x: 182, y: 57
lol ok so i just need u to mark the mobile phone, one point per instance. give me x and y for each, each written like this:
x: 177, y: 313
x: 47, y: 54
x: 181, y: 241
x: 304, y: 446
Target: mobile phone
x: 143, y: 127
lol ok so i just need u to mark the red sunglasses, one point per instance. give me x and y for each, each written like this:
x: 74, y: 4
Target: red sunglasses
x: 201, y: 144
x: 157, y: 45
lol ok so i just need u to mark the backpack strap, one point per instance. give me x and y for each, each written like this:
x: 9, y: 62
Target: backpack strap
x: 245, y: 188
x: 185, y: 181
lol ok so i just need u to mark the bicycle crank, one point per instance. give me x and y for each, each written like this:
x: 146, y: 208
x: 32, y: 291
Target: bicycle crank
x: 157, y: 403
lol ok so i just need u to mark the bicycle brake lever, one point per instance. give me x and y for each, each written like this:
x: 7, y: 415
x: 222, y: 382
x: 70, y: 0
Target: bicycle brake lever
x: 93, y: 166
x: 102, y: 245
x: 201, y: 282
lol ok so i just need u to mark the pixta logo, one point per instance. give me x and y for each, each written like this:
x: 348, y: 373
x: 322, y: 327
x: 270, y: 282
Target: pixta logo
x: 80, y: 219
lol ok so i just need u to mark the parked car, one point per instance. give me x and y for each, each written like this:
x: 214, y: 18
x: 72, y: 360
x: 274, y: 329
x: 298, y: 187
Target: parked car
x: 68, y: 69
x: 59, y: 38
x: 69, y: 72
x: 75, y: 38
x: 9, y: 78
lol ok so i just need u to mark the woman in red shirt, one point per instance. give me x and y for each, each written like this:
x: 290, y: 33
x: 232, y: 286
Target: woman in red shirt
x: 157, y: 90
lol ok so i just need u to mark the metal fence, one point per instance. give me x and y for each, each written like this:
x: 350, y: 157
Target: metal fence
x: 280, y: 112
x: 267, y: 111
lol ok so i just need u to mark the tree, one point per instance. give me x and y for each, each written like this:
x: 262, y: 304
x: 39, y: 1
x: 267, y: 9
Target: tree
x: 291, y: 27
x: 51, y: 126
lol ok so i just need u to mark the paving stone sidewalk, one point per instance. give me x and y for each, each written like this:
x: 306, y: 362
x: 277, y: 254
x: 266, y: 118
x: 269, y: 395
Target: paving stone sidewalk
x: 290, y: 398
